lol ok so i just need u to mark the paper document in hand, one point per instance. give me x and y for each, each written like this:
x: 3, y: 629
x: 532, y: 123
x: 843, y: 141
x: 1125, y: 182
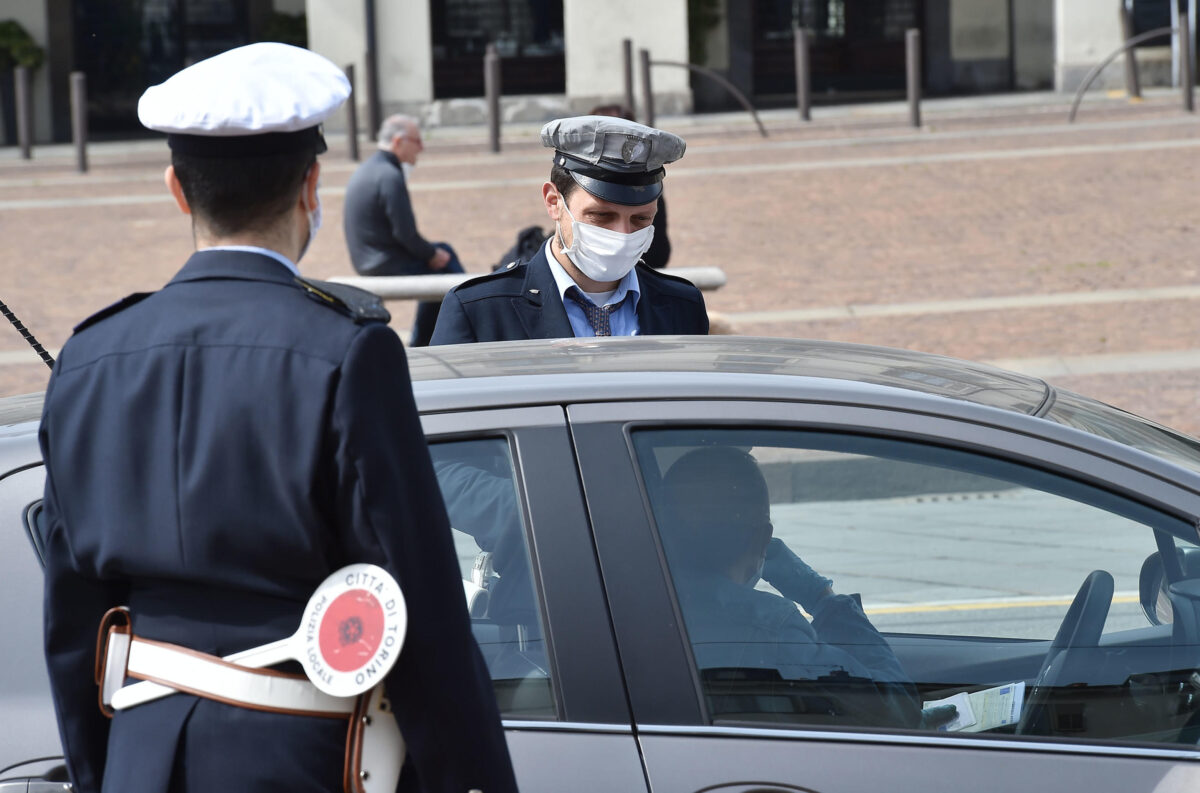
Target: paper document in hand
x: 983, y: 710
x: 997, y: 707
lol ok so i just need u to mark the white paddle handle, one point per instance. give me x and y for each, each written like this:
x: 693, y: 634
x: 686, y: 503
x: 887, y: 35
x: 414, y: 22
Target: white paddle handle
x: 265, y: 655
x: 254, y: 658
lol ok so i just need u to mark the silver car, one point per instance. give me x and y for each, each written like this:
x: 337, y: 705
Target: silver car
x: 940, y: 576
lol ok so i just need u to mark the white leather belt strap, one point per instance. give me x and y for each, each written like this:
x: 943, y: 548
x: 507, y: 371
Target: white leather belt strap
x: 207, y: 676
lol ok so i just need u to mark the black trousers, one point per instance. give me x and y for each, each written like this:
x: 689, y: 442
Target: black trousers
x: 427, y: 311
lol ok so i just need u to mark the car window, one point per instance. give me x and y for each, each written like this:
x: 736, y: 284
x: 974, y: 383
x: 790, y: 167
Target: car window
x: 480, y: 490
x: 847, y: 580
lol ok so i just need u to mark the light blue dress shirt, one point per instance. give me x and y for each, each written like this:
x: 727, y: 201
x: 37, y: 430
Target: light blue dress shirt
x: 276, y: 255
x: 622, y: 322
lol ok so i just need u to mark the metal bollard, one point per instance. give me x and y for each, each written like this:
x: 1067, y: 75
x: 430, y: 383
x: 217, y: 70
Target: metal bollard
x: 912, y: 57
x: 647, y: 89
x: 79, y: 119
x: 24, y: 112
x: 1185, y: 63
x: 371, y: 60
x: 491, y: 89
x: 1133, y: 83
x: 627, y: 63
x: 803, y: 74
x: 352, y: 116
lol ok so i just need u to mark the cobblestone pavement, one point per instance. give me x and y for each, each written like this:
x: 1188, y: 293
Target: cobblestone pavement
x: 853, y: 227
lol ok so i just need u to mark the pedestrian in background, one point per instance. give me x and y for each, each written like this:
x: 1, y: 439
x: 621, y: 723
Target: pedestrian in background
x: 381, y: 229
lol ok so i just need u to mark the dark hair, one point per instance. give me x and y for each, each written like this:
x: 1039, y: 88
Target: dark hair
x: 233, y: 194
x: 716, y: 507
x: 620, y: 111
x: 562, y: 180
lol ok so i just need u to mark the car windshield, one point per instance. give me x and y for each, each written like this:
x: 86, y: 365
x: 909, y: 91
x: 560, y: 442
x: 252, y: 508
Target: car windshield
x: 1114, y: 424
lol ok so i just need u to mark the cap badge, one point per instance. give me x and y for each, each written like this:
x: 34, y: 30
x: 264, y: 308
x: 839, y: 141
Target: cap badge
x: 633, y: 149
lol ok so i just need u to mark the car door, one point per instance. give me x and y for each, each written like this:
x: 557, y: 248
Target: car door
x: 997, y: 570
x: 512, y: 492
x: 29, y: 746
x: 552, y: 654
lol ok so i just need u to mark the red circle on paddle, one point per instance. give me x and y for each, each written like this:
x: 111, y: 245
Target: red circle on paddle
x: 351, y: 630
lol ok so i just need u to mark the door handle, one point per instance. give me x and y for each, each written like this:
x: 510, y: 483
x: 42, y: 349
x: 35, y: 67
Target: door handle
x: 751, y: 787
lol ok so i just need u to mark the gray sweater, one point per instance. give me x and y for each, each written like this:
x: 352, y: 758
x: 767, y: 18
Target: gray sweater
x: 381, y: 231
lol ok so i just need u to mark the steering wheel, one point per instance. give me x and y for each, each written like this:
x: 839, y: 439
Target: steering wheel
x: 1080, y: 630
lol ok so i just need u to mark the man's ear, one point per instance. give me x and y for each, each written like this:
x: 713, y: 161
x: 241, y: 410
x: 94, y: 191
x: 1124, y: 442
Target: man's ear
x: 308, y: 194
x: 176, y: 190
x: 553, y: 200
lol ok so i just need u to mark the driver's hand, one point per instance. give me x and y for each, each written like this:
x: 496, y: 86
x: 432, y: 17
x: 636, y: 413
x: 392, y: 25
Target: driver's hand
x: 938, y: 716
x: 788, y: 573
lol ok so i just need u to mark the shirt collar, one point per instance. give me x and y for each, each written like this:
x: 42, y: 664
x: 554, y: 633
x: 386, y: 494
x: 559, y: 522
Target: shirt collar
x: 276, y: 255
x: 563, y: 281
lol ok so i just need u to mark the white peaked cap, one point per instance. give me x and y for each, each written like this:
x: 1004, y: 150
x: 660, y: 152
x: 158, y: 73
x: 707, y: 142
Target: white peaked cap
x: 259, y: 89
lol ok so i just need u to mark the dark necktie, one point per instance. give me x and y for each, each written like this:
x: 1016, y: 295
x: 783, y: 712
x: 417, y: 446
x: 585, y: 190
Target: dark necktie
x: 597, y: 316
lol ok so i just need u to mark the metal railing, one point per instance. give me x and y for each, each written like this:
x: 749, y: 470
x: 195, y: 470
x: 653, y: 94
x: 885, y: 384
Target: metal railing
x: 1185, y: 68
x: 648, y: 85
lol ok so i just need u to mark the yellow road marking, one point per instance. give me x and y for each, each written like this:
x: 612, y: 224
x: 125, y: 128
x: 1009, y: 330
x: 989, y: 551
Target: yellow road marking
x: 983, y: 606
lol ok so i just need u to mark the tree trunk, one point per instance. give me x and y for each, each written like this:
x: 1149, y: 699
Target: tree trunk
x: 8, y: 106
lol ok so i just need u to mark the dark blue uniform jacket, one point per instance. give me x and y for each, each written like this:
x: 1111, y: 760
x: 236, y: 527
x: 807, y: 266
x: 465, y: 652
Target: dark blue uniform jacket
x: 522, y: 302
x: 213, y: 451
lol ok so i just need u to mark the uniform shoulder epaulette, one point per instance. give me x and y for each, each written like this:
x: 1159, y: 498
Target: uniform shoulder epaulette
x: 663, y: 275
x: 510, y: 270
x: 115, y: 308
x: 679, y: 286
x: 359, y: 304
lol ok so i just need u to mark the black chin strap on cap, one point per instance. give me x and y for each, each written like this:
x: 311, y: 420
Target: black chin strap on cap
x: 261, y: 145
x: 628, y: 189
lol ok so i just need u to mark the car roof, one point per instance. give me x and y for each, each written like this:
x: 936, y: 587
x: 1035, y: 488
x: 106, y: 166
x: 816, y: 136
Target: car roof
x: 882, y: 366
x: 525, y: 372
x: 553, y: 370
x: 20, y: 409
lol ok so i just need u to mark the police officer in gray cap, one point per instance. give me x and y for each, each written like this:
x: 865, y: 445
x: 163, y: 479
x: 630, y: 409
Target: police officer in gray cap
x: 214, y: 450
x: 586, y: 280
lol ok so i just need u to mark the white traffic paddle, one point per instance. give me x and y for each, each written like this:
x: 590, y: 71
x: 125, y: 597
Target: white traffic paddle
x: 348, y: 640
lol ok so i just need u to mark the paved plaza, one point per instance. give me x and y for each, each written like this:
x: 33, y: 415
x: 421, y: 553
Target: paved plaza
x: 997, y: 232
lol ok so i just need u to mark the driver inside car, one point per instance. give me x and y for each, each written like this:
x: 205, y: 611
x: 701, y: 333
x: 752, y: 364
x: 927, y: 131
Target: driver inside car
x: 717, y: 534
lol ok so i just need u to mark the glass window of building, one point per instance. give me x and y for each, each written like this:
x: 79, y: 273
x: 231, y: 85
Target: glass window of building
x: 528, y: 35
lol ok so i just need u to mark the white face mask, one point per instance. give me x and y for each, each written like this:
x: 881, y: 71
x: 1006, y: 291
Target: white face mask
x: 314, y: 221
x: 407, y: 168
x: 602, y: 254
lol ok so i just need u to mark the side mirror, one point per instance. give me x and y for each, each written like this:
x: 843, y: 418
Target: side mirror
x: 1153, y: 584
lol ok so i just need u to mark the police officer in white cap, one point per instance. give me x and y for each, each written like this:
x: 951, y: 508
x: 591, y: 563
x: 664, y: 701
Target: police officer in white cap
x: 215, y: 449
x: 586, y: 280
